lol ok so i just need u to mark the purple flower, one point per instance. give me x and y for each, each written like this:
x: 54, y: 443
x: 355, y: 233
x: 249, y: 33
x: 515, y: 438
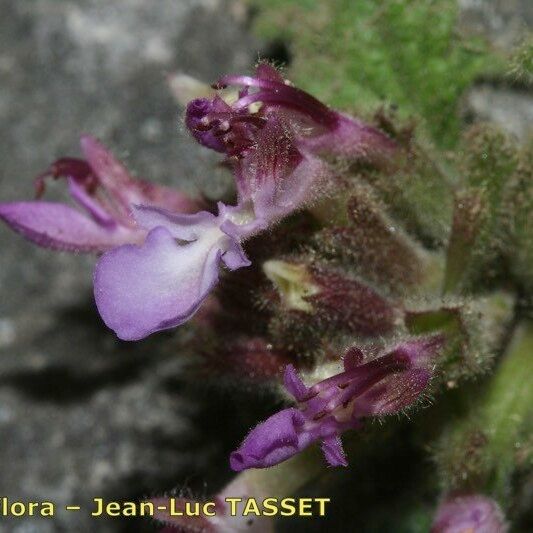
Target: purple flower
x: 161, y: 284
x: 385, y: 385
x: 104, y: 193
x: 231, y: 128
x: 473, y: 513
x: 274, y: 175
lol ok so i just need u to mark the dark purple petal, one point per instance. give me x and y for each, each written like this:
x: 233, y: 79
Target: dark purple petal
x: 473, y: 513
x: 156, y: 286
x: 419, y: 352
x: 73, y: 168
x: 271, y: 442
x: 198, y: 121
x: 294, y: 384
x: 265, y: 71
x: 57, y: 226
x: 278, y: 93
x: 333, y: 451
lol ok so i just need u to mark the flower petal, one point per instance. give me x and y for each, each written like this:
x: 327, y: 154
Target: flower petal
x: 277, y: 176
x: 294, y: 384
x: 57, y: 226
x: 127, y: 190
x: 333, y: 451
x: 271, y: 442
x: 353, y: 139
x: 84, y: 200
x: 156, y: 286
x: 235, y: 257
x: 394, y: 393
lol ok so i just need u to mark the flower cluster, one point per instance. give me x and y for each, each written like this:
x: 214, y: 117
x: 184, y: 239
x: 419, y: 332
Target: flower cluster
x: 162, y: 255
x: 339, y: 256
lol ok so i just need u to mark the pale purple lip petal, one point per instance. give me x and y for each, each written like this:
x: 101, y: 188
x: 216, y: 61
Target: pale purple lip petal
x: 159, y: 285
x: 59, y: 227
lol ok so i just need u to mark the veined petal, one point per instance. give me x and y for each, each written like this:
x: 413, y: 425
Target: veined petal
x: 394, y: 393
x: 143, y: 289
x: 57, y: 226
x: 277, y: 176
x: 352, y: 138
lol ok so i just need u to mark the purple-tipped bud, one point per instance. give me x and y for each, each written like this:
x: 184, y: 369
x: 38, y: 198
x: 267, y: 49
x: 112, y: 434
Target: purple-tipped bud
x: 333, y: 297
x: 469, y: 513
x: 388, y: 384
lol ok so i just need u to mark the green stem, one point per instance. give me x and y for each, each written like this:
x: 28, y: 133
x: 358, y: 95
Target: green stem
x: 483, y: 449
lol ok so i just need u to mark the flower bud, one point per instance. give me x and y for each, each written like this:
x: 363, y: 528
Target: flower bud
x: 469, y: 513
x: 332, y: 297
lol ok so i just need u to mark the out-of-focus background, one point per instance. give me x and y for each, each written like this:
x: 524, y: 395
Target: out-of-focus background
x: 83, y: 415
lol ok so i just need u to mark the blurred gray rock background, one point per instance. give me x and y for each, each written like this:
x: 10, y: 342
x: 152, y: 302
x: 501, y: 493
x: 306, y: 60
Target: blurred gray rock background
x: 81, y: 414
x: 506, y: 25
